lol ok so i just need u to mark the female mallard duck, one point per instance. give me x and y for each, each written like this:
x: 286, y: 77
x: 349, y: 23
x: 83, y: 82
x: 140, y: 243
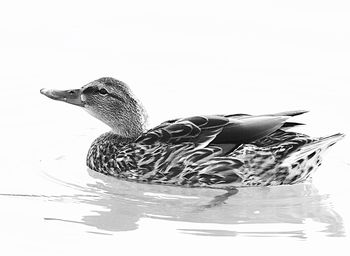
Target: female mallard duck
x: 219, y: 151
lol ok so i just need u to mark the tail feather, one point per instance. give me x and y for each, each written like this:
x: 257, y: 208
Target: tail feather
x: 304, y: 161
x: 318, y: 146
x: 330, y: 140
x: 291, y: 113
x: 288, y: 125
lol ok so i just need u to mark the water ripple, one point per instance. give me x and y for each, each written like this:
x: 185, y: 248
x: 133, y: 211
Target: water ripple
x: 282, y: 211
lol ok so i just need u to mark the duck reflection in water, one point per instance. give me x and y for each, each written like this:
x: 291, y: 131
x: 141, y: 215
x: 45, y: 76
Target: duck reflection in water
x: 121, y: 206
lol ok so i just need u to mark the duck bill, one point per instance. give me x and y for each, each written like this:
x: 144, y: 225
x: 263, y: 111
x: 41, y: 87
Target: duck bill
x: 69, y: 96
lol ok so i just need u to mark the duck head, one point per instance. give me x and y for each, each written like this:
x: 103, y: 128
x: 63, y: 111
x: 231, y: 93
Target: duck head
x: 110, y: 101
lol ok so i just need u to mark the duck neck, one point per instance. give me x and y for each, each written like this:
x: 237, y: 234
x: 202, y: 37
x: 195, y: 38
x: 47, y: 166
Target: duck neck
x: 128, y: 129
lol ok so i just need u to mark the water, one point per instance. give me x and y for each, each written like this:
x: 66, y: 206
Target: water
x: 55, y: 199
x: 289, y: 211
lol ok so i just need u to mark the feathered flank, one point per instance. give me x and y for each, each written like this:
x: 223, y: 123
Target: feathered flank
x: 215, y: 151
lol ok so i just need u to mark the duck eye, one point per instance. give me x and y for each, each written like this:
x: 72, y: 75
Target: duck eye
x: 103, y: 91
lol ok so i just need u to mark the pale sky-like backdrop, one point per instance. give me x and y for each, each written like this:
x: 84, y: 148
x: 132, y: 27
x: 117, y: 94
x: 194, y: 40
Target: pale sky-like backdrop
x: 180, y: 58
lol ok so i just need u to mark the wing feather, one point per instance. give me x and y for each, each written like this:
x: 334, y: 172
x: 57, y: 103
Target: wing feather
x: 250, y: 128
x: 230, y: 129
x: 200, y: 130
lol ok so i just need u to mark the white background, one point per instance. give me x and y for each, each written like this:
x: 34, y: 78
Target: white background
x: 180, y: 58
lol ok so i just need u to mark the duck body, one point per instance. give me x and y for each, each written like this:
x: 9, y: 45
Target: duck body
x: 190, y: 152
x: 218, y: 151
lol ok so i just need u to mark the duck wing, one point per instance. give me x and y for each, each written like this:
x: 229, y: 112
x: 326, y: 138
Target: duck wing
x: 233, y: 129
x: 200, y: 130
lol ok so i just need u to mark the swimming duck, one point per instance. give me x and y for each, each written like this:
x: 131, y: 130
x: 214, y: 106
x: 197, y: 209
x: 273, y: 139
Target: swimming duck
x: 215, y: 151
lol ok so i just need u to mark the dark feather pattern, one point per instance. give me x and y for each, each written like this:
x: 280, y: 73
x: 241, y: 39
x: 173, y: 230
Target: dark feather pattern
x: 212, y: 151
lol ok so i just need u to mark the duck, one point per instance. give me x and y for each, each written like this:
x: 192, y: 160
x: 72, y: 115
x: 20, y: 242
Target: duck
x: 213, y: 151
